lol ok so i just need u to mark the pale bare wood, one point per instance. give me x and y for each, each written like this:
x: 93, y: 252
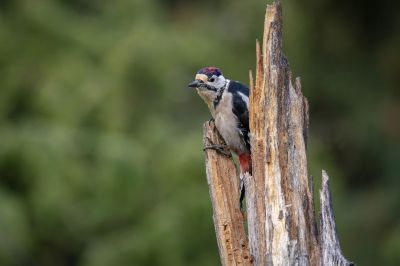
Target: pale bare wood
x: 330, y: 247
x: 223, y: 182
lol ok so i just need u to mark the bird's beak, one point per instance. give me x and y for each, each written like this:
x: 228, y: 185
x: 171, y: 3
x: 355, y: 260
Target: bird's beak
x: 195, y: 84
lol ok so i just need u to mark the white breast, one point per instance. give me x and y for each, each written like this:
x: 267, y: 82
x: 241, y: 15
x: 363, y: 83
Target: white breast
x: 227, y: 124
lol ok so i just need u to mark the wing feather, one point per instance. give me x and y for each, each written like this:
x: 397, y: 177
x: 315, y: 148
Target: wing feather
x: 240, y: 108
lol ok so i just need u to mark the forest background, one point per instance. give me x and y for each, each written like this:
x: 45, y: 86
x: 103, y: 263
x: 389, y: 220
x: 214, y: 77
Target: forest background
x: 101, y: 159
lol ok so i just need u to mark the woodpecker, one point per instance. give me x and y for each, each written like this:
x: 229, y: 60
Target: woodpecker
x: 228, y: 102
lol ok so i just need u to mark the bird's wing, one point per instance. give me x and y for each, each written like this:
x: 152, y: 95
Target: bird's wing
x: 240, y: 107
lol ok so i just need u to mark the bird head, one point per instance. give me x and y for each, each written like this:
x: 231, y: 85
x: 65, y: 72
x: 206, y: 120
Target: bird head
x: 208, y: 82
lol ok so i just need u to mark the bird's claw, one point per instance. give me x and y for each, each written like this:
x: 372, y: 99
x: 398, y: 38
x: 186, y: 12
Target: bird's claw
x: 221, y: 149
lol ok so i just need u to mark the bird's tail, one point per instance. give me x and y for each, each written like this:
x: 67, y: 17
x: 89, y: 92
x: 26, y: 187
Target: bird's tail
x: 245, y: 167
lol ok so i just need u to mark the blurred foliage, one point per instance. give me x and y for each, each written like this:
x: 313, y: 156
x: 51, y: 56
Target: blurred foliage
x: 101, y: 158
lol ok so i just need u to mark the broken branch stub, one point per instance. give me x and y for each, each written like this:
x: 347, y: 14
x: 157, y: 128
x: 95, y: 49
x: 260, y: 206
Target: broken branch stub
x: 223, y: 183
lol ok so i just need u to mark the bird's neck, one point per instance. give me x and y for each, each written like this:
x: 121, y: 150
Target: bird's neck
x: 212, y: 98
x: 220, y: 92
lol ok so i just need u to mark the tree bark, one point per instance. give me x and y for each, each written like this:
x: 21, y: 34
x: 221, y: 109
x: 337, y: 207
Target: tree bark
x: 282, y: 227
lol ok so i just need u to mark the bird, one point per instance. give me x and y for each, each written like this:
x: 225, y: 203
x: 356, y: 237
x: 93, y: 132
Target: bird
x: 228, y: 102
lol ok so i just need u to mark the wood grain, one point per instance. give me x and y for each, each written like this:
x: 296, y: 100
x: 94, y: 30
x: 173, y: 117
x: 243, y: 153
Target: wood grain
x: 223, y: 183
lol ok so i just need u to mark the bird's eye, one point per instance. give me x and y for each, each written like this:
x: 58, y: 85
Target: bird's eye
x: 211, y: 79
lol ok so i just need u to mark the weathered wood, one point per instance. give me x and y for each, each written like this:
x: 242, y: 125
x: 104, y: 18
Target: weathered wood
x: 281, y: 221
x: 223, y: 182
x: 278, y: 124
x: 331, y: 252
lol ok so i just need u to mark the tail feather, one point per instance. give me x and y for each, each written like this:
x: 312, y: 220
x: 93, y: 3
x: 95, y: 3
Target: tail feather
x: 245, y: 167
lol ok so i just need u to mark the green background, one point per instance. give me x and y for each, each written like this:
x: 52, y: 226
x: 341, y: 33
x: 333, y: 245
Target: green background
x: 101, y: 159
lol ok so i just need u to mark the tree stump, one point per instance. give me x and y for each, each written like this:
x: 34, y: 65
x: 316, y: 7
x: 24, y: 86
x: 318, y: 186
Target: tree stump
x: 282, y: 227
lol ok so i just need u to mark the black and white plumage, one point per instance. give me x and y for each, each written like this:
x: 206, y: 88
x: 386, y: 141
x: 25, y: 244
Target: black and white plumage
x: 228, y: 102
x: 231, y: 116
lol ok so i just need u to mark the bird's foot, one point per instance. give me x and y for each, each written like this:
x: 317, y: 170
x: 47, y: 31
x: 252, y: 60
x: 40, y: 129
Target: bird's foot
x: 221, y: 149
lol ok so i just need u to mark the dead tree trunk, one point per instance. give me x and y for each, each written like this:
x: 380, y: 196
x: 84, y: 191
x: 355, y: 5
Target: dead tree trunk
x: 282, y: 227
